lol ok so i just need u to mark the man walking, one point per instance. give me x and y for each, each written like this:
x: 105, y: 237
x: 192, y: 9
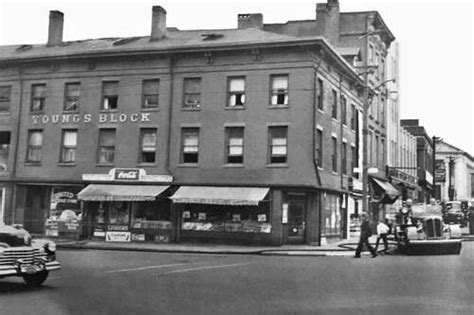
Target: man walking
x: 382, y: 232
x: 365, y: 233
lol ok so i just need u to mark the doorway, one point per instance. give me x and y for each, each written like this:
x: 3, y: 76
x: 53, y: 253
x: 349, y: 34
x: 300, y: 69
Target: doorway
x: 296, y: 227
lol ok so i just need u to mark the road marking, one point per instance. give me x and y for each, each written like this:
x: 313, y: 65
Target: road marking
x: 205, y: 268
x: 144, y: 268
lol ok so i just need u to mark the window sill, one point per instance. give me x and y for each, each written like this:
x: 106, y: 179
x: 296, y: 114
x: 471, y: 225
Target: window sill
x: 334, y: 119
x: 147, y: 164
x: 192, y: 165
x: 277, y: 165
x: 32, y: 163
x: 278, y: 106
x: 150, y: 109
x: 320, y: 168
x: 71, y: 164
x: 71, y: 112
x: 108, y: 110
x: 320, y: 111
x: 39, y: 112
x: 334, y: 173
x: 104, y: 164
x: 234, y: 107
x: 236, y: 165
x: 190, y: 109
x: 5, y: 113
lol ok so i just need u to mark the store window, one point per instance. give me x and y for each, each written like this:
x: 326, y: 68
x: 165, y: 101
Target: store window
x: 110, y: 95
x: 148, y: 145
x: 234, y: 145
x: 279, y: 90
x: 278, y: 144
x: 64, y: 217
x: 192, y: 93
x: 106, y: 146
x: 35, y: 142
x: 38, y: 97
x: 332, y: 214
x: 334, y: 154
x: 5, y: 99
x: 68, y: 146
x: 320, y: 94
x: 236, y: 92
x: 190, y: 145
x: 150, y: 93
x: 231, y: 219
x: 319, y: 147
x: 334, y: 104
x: 151, y: 215
x: 4, y: 150
x: 72, y: 96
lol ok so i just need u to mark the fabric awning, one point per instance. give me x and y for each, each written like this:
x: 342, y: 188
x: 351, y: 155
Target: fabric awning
x: 236, y: 196
x: 383, y: 192
x: 101, y: 192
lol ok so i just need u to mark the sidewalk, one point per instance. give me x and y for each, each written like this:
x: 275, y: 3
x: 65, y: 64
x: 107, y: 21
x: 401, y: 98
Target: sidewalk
x: 338, y: 248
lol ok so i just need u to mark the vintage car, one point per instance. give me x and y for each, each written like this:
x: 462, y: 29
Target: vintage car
x: 421, y: 231
x: 23, y: 257
x: 455, y: 212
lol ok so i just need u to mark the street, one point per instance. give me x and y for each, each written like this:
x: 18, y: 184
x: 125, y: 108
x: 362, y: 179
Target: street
x: 119, y: 282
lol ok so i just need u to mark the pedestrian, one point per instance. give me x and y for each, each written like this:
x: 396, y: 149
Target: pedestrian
x: 382, y: 232
x: 365, y: 233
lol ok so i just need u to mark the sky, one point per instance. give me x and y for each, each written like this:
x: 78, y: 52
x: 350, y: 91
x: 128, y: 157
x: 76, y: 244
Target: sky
x: 436, y: 40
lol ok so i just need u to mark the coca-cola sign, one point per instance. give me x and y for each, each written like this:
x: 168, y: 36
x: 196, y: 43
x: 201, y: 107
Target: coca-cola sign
x: 126, y: 174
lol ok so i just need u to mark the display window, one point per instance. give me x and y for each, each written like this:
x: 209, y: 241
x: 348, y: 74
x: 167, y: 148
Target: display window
x: 332, y: 215
x: 218, y: 218
x: 151, y: 215
x: 64, y: 217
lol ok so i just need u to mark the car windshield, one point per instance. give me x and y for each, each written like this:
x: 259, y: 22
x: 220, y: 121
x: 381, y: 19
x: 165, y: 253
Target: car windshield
x: 13, y: 237
x: 453, y: 207
x: 12, y: 240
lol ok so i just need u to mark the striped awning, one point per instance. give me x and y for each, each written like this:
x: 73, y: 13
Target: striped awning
x: 102, y: 192
x: 235, y: 196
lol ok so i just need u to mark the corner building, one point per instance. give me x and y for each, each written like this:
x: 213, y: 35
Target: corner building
x: 205, y: 135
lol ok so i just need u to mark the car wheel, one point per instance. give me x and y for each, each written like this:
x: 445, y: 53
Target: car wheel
x: 36, y: 279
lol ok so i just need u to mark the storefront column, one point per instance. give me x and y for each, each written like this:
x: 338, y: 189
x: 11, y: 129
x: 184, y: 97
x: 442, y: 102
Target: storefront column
x: 276, y: 217
x: 313, y: 216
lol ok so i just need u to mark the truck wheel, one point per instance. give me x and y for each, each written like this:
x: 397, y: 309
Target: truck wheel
x: 36, y: 279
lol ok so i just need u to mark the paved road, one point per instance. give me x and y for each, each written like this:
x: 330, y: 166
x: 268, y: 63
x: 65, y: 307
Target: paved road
x: 107, y: 282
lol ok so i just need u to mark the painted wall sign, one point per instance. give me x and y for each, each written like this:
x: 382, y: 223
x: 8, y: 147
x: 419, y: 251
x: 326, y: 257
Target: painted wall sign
x: 89, y: 118
x: 127, y: 174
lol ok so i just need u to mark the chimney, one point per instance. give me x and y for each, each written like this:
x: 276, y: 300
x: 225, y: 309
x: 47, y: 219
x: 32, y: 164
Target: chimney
x: 327, y: 21
x: 158, y: 23
x: 249, y: 20
x: 55, y: 30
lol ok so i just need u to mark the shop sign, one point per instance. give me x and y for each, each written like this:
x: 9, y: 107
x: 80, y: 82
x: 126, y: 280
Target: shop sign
x: 162, y: 238
x: 440, y: 171
x: 118, y: 236
x: 114, y: 227
x: 127, y: 174
x: 98, y: 233
x: 138, y: 237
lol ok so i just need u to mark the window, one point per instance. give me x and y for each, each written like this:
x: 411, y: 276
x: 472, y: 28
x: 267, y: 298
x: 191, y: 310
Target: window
x: 377, y: 150
x: 382, y: 144
x: 192, y: 93
x: 110, y: 95
x: 4, y: 150
x: 72, y: 96
x: 371, y: 147
x: 38, y: 97
x: 377, y: 58
x: 319, y: 147
x: 68, y: 147
x: 371, y: 54
x: 382, y: 110
x: 334, y: 104
x: 35, y: 141
x: 344, y: 158
x: 343, y: 110
x: 190, y: 145
x: 355, y: 161
x: 150, y: 93
x: 236, y: 93
x: 334, y: 154
x: 5, y: 96
x: 320, y: 94
x: 148, y: 145
x: 353, y: 117
x: 278, y: 144
x: 234, y: 145
x: 279, y: 88
x: 382, y: 68
x: 106, y: 146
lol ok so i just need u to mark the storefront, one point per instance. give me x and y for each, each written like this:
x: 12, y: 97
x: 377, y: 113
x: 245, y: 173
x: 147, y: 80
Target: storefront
x: 223, y: 214
x: 333, y: 215
x: 134, y: 207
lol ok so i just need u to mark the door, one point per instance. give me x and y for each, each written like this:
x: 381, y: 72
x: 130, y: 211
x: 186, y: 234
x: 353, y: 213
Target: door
x: 296, y: 222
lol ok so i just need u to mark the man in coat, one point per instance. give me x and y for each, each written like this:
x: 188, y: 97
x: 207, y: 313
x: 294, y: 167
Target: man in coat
x: 365, y: 233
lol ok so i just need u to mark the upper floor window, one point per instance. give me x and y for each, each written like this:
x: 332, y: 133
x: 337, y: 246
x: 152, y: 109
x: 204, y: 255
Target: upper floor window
x: 343, y: 110
x: 334, y: 154
x: 234, y: 145
x: 278, y: 144
x: 236, y: 93
x: 192, y: 93
x: 150, y: 93
x: 320, y: 94
x: 319, y: 147
x: 334, y: 104
x: 377, y: 155
x: 353, y: 117
x: 371, y: 54
x: 35, y: 142
x: 72, y: 96
x: 106, y: 146
x: 68, y: 146
x: 382, y: 110
x: 148, y: 145
x: 190, y: 145
x: 344, y: 158
x: 110, y: 95
x: 355, y: 161
x: 38, y: 97
x: 4, y: 149
x: 279, y: 94
x: 5, y: 96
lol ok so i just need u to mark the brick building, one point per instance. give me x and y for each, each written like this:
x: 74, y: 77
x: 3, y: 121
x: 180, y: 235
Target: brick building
x: 240, y: 135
